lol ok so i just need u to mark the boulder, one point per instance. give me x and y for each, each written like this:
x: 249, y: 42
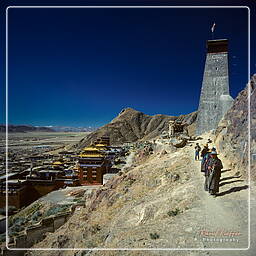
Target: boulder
x: 178, y: 143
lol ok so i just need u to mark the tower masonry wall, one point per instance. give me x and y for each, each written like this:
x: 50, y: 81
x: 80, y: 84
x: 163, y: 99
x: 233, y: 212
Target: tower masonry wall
x: 213, y: 105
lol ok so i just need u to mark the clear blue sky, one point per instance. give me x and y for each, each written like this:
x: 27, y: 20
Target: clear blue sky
x: 81, y: 67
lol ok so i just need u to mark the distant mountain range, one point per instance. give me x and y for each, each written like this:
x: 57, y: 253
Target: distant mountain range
x: 30, y: 128
x: 24, y: 128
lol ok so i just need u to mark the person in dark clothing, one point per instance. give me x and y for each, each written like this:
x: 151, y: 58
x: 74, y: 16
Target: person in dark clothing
x: 213, y: 173
x: 197, y: 151
x: 205, y: 161
x: 203, y: 154
x: 207, y: 158
x: 205, y: 150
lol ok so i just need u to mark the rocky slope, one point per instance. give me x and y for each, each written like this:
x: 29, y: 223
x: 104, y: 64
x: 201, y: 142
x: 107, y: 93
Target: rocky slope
x: 131, y: 125
x: 157, y: 202
x: 232, y: 133
x: 138, y: 208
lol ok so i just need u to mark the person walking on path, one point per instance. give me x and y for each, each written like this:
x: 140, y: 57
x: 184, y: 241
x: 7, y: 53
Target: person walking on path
x: 207, y: 158
x: 203, y: 154
x: 197, y: 151
x: 205, y: 150
x: 213, y: 172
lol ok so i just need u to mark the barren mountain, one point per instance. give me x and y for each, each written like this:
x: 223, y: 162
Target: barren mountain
x: 233, y: 131
x: 131, y: 125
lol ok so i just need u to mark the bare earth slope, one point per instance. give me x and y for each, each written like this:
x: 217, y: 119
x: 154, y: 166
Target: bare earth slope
x: 132, y: 125
x: 159, y: 204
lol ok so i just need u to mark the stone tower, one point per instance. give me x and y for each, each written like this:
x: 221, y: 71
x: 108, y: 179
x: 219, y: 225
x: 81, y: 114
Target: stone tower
x: 215, y: 99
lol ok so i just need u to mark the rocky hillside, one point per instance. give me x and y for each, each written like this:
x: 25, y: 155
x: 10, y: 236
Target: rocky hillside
x: 157, y: 202
x: 232, y: 133
x: 141, y: 207
x: 131, y: 125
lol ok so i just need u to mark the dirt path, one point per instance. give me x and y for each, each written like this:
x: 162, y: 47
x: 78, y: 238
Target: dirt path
x: 224, y: 219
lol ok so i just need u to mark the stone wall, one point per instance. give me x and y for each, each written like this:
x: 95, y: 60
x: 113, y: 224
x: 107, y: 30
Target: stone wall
x: 20, y: 198
x: 36, y: 233
x: 214, y: 99
x: 2, y: 225
x: 17, y: 198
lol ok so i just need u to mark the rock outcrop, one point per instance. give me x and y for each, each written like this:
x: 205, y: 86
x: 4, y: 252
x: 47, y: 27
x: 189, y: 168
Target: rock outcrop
x: 132, y: 125
x: 232, y: 132
x: 178, y: 142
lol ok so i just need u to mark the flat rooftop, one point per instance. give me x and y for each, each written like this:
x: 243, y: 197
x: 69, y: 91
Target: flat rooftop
x: 16, y: 181
x: 217, y: 40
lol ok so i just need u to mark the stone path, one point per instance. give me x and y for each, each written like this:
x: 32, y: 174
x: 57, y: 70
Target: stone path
x: 224, y: 220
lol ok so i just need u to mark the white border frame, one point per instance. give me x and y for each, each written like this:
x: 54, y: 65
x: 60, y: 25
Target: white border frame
x: 132, y: 249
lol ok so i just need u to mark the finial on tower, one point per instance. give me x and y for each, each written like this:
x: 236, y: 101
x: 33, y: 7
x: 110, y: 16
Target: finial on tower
x: 212, y: 29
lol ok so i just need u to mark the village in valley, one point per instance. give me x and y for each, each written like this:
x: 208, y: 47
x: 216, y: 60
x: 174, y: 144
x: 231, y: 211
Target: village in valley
x: 37, y: 170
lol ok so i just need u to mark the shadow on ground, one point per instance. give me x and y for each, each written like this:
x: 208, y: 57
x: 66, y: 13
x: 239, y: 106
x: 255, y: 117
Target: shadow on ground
x: 230, y: 177
x: 226, y: 170
x: 232, y: 190
x: 229, y: 182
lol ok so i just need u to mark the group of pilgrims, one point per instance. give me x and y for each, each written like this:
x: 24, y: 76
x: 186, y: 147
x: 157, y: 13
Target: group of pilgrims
x: 211, y: 166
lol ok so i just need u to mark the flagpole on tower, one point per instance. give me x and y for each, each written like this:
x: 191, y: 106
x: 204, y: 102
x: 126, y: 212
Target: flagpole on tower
x: 212, y: 29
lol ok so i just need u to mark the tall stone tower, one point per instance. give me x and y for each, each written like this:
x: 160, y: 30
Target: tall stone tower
x: 215, y: 99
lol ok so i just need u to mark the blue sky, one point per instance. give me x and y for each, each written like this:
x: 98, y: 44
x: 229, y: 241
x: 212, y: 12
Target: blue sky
x: 81, y: 67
